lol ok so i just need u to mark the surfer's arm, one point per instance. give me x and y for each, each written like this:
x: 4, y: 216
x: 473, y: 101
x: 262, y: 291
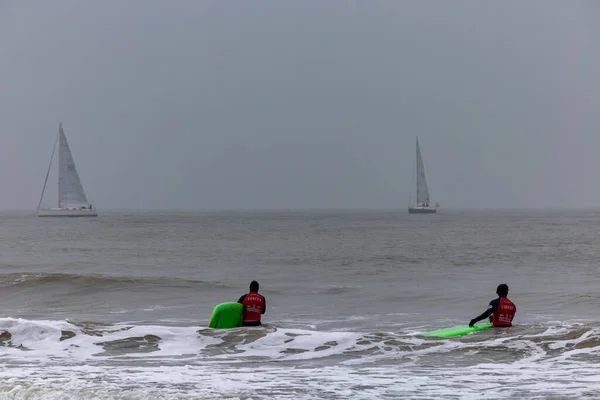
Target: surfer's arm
x: 264, y: 305
x: 491, y: 308
x: 241, y: 300
x: 486, y: 314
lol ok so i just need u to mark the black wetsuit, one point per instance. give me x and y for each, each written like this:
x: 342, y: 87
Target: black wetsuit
x: 490, y: 310
x: 253, y: 323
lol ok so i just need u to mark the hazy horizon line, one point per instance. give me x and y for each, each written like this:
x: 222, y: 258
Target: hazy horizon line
x: 317, y: 209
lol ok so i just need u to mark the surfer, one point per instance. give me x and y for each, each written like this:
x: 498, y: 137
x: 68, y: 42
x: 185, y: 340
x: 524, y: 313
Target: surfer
x: 501, y: 310
x: 254, y: 306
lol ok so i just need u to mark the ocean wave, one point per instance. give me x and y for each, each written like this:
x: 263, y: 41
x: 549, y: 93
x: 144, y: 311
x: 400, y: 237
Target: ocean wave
x: 102, y: 282
x: 336, y: 289
x: 554, y: 359
x: 271, y: 342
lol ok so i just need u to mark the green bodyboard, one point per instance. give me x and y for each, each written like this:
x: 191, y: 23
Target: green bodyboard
x: 226, y: 316
x: 457, y: 330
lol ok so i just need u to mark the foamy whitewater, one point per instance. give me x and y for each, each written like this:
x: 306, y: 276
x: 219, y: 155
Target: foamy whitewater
x: 117, y: 307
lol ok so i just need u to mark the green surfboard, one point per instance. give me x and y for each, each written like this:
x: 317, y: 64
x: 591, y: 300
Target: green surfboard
x: 457, y: 330
x: 226, y: 316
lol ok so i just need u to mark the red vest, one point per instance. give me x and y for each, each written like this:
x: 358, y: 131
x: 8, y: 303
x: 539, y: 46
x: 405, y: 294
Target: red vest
x: 504, y: 313
x: 254, y: 304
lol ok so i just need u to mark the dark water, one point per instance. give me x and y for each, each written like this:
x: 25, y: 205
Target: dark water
x: 117, y: 306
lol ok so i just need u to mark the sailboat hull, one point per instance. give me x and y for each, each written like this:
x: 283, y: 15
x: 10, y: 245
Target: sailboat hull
x: 421, y: 210
x: 67, y: 212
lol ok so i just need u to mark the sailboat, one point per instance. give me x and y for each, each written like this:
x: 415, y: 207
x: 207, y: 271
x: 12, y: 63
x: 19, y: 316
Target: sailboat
x: 422, y: 206
x: 72, y: 201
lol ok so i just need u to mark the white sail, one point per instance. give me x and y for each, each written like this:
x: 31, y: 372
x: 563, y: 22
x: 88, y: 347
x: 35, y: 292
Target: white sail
x: 422, y: 190
x: 72, y: 201
x: 70, y: 191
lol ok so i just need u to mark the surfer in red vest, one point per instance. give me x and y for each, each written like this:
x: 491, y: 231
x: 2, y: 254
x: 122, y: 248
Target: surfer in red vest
x: 254, y: 306
x: 501, y: 310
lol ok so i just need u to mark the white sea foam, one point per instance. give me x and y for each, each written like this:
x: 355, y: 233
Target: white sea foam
x: 128, y: 361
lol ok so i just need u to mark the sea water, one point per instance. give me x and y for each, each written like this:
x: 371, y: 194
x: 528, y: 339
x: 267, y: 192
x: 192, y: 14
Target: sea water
x: 117, y: 307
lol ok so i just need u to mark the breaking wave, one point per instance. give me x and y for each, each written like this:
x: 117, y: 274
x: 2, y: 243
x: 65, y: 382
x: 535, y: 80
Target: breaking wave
x: 94, y: 360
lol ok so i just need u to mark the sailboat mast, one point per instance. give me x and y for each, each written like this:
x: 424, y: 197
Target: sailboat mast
x: 48, y: 172
x: 60, y: 133
x: 412, y: 176
x: 417, y: 169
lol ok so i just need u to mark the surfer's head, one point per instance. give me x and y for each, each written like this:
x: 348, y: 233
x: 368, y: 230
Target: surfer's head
x: 502, y: 290
x: 254, y: 286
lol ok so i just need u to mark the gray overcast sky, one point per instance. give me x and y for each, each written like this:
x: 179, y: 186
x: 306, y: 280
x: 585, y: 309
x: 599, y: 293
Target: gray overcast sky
x: 299, y: 104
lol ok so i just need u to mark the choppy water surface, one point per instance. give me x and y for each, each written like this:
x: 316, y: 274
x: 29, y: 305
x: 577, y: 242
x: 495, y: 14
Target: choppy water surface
x: 117, y: 307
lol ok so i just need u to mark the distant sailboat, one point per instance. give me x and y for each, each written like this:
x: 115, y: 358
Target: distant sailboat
x: 422, y: 206
x: 72, y: 201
